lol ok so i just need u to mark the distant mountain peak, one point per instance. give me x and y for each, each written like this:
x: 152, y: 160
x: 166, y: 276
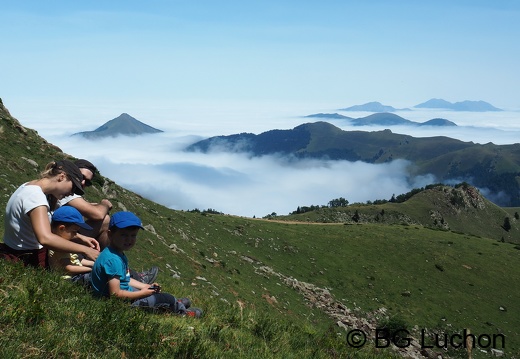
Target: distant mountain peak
x: 123, y: 125
x: 373, y: 106
x: 473, y: 106
x: 385, y: 119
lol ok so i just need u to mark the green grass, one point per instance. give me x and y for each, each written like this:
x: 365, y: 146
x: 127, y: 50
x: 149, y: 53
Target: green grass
x: 44, y: 316
x: 435, y: 280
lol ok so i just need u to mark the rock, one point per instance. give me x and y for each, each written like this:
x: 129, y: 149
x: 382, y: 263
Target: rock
x: 150, y: 228
x: 32, y: 162
x: 496, y: 352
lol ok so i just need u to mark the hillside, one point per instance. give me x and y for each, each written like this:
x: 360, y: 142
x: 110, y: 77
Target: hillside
x: 123, y: 125
x: 460, y: 209
x: 494, y: 167
x: 269, y: 289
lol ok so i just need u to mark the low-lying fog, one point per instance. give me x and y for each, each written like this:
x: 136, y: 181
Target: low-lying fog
x: 156, y: 167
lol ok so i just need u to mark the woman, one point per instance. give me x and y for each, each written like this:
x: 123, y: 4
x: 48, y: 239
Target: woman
x: 27, y: 228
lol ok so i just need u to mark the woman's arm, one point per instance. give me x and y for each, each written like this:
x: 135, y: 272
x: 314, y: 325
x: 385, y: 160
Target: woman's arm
x: 93, y: 211
x: 42, y: 230
x: 115, y: 289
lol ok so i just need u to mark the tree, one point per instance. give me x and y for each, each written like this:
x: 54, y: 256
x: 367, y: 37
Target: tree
x: 338, y: 202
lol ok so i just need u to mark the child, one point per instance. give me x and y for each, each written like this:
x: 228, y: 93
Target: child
x: 66, y: 222
x: 111, y: 276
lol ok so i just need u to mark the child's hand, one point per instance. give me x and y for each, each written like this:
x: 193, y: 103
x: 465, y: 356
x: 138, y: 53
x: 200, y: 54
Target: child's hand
x: 148, y: 291
x: 156, y: 287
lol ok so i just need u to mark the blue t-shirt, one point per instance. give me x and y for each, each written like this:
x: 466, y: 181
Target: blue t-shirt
x: 110, y: 264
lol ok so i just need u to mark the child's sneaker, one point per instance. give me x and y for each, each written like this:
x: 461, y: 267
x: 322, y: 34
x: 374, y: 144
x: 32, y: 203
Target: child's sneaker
x: 194, y: 313
x: 185, y: 301
x: 149, y: 276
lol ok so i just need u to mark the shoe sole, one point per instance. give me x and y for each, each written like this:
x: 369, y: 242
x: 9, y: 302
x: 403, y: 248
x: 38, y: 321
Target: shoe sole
x: 194, y: 313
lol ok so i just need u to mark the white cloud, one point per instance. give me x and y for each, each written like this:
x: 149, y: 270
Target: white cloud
x: 238, y: 184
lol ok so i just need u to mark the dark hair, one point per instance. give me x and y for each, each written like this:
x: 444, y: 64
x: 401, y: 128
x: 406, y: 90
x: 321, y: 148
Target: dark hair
x: 82, y: 163
x: 56, y: 224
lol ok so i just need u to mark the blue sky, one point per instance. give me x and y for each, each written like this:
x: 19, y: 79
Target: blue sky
x: 207, y: 68
x: 337, y: 53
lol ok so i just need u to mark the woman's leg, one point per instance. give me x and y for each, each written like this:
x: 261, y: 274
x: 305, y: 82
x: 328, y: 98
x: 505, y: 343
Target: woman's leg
x: 34, y: 258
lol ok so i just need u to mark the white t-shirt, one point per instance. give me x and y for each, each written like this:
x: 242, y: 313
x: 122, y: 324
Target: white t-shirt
x: 67, y: 199
x: 18, y: 230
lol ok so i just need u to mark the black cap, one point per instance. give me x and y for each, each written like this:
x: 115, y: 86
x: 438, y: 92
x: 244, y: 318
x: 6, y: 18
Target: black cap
x: 74, y: 173
x: 81, y: 163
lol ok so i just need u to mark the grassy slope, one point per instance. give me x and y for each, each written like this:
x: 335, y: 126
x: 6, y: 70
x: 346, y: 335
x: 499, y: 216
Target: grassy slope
x: 428, y: 278
x: 462, y: 210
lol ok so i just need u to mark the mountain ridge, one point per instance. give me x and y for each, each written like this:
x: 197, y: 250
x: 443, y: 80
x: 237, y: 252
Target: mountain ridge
x: 373, y: 106
x: 383, y: 119
x: 495, y: 167
x: 466, y: 105
x: 473, y: 106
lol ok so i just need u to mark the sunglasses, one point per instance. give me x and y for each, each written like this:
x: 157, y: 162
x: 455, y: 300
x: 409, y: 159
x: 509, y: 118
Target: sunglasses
x: 88, y: 182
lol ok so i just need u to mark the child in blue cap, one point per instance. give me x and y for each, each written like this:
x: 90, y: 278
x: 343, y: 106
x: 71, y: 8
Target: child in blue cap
x: 111, y: 275
x: 66, y: 222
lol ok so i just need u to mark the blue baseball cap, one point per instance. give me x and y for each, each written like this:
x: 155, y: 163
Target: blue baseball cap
x: 68, y: 214
x: 124, y: 220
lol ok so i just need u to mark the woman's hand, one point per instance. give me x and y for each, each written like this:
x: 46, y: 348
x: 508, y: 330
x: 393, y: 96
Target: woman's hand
x: 107, y: 204
x: 89, y: 242
x: 91, y: 253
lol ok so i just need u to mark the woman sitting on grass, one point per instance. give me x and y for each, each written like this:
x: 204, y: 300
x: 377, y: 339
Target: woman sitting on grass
x: 27, y: 225
x: 111, y: 275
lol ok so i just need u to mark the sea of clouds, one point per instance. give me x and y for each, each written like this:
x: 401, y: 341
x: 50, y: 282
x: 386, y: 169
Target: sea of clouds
x: 157, y: 167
